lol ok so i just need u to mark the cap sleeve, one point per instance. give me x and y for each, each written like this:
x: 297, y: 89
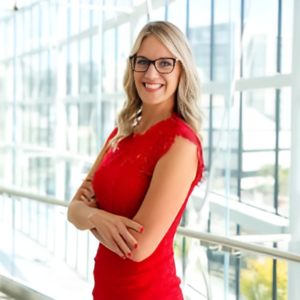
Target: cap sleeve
x: 186, y: 132
x: 113, y: 133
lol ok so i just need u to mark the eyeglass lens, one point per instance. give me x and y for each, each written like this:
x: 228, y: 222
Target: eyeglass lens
x: 163, y: 65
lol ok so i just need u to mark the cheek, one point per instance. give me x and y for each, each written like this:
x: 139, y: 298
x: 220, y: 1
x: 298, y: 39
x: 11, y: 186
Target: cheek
x: 137, y: 80
x: 172, y: 85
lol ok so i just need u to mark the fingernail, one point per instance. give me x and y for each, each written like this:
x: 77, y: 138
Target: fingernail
x: 129, y: 254
x: 142, y: 229
x: 135, y: 245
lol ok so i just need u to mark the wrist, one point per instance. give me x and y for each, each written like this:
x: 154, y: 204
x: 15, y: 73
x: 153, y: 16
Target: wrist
x: 92, y: 217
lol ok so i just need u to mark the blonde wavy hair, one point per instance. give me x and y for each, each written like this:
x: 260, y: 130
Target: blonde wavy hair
x: 188, y: 91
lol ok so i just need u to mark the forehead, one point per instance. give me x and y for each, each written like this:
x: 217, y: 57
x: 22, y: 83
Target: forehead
x: 153, y: 48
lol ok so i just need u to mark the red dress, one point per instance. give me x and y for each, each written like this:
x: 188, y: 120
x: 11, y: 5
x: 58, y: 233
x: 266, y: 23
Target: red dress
x: 120, y: 184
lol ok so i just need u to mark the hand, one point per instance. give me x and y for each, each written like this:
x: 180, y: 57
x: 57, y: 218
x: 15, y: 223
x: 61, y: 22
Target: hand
x: 87, y: 194
x: 111, y: 231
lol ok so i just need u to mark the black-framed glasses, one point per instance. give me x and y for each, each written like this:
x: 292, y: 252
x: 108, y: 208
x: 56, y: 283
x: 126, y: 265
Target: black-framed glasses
x: 163, y: 65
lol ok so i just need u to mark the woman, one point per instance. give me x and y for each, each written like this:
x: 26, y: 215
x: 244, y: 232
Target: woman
x: 152, y: 164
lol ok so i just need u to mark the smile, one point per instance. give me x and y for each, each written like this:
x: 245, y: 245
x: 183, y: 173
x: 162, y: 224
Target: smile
x: 152, y: 87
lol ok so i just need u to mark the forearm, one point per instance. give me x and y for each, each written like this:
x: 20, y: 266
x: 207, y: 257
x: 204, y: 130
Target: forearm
x: 79, y: 215
x: 95, y: 232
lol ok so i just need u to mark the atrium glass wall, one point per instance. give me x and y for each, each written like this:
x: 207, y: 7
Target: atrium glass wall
x: 61, y: 70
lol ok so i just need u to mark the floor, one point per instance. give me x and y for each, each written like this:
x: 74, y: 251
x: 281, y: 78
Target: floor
x: 5, y: 297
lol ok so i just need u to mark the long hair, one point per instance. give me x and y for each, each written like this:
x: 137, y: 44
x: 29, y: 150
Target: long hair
x: 188, y: 92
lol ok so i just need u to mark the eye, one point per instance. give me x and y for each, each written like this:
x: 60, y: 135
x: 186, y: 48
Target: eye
x: 165, y: 63
x: 141, y: 62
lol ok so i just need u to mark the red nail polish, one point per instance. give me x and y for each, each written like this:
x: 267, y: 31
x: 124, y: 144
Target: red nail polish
x: 135, y: 245
x: 129, y: 254
x: 142, y: 229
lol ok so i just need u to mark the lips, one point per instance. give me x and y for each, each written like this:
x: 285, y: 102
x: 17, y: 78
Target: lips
x: 151, y: 88
x: 152, y: 85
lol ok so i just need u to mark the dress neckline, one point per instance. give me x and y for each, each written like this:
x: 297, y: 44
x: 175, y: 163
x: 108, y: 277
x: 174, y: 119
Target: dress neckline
x: 137, y: 134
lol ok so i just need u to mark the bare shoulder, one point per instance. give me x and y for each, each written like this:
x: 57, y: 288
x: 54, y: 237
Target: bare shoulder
x: 182, y: 153
x: 183, y: 145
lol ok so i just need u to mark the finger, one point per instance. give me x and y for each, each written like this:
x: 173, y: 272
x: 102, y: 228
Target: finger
x: 86, y: 199
x: 129, y: 238
x: 88, y: 191
x: 115, y: 248
x: 121, y: 243
x: 134, y: 225
x: 88, y: 195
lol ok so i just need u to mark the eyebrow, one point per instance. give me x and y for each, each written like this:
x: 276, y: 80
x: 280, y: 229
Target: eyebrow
x: 155, y: 59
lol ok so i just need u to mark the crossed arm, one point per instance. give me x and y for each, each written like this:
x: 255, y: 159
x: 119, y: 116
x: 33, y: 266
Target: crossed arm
x: 171, y: 181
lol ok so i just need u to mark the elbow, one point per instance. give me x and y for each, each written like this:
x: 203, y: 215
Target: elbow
x: 71, y: 219
x: 140, y: 254
x: 136, y: 256
x: 69, y: 213
x: 145, y: 246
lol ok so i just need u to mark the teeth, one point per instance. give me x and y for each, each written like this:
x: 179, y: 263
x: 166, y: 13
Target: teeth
x: 153, y: 86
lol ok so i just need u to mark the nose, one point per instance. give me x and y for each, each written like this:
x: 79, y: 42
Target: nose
x: 151, y: 72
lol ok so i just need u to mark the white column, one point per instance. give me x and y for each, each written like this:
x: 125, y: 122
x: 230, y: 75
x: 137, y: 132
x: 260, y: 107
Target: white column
x: 294, y: 196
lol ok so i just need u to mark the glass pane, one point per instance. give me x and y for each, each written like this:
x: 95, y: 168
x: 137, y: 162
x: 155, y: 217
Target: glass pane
x: 35, y: 29
x: 46, y: 22
x: 285, y: 118
x: 200, y: 35
x: 35, y: 69
x: 95, y: 64
x: 72, y: 69
x: 19, y: 33
x: 73, y: 14
x: 214, y: 272
x: 44, y: 75
x: 159, y: 14
x: 259, y: 125
x: 287, y: 36
x: 85, y: 129
x: 109, y: 61
x: 283, y: 178
x: 260, y: 38
x: 85, y: 15
x: 123, y: 32
x: 27, y: 30
x: 84, y: 66
x: 257, y: 179
x: 72, y: 127
x: 176, y: 8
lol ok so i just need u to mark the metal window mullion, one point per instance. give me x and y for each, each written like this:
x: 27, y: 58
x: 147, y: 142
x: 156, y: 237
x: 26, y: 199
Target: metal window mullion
x: 276, y: 169
x: 187, y: 19
x: 167, y: 10
x: 240, y: 152
x: 116, y: 59
x: 99, y: 93
x: 277, y: 124
x: 210, y: 138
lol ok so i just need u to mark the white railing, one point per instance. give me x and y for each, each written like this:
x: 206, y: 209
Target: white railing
x: 232, y: 245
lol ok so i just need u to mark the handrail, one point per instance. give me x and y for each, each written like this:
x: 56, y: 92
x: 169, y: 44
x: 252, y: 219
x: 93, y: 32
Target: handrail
x: 225, y: 244
x: 29, y: 195
x: 233, y: 244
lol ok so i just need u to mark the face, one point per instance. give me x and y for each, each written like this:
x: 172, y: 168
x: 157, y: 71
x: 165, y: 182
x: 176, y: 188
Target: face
x: 152, y: 49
